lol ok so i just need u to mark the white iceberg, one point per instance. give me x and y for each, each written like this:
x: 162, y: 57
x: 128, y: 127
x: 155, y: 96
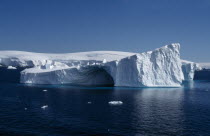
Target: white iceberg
x: 11, y: 67
x: 44, y: 106
x: 188, y: 69
x: 159, y: 68
x: 115, y: 102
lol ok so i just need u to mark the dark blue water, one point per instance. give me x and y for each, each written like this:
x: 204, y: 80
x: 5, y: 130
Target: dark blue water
x: 144, y: 112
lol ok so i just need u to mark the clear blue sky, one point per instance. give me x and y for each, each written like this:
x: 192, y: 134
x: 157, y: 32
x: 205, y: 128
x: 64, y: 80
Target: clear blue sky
x: 58, y: 26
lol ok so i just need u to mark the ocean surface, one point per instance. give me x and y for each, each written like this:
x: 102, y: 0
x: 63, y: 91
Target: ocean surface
x: 86, y: 111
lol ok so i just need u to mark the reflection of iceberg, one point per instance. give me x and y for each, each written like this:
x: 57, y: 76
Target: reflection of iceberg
x: 154, y: 106
x: 188, y: 84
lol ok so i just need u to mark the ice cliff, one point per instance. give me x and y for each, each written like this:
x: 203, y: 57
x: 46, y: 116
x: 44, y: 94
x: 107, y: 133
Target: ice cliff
x: 159, y: 68
x: 189, y: 69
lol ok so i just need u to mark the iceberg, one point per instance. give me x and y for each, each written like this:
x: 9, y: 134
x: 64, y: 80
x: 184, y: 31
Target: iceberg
x: 189, y: 69
x: 115, y: 102
x: 44, y: 106
x: 11, y: 67
x: 159, y: 68
x: 86, y: 76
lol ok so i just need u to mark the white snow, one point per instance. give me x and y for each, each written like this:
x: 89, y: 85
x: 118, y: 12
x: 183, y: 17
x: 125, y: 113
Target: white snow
x: 115, y: 102
x: 205, y: 65
x: 11, y: 67
x: 21, y: 58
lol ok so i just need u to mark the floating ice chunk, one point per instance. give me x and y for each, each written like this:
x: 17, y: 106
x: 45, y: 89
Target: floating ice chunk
x: 44, y: 106
x: 11, y: 67
x: 25, y: 108
x: 44, y: 90
x: 104, y: 61
x: 115, y: 102
x: 89, y: 102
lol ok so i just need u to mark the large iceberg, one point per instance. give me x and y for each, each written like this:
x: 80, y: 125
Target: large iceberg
x: 158, y: 68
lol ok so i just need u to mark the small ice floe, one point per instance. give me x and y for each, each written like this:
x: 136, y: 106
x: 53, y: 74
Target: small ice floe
x: 44, y: 106
x: 115, y: 102
x: 104, y: 61
x: 25, y: 108
x: 44, y: 90
x: 11, y: 67
x: 89, y: 102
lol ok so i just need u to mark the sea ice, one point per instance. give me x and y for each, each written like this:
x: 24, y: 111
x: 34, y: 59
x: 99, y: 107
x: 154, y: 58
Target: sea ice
x: 11, y: 67
x: 115, y: 102
x: 44, y: 106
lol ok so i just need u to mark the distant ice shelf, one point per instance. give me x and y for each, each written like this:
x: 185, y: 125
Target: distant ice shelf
x: 159, y: 68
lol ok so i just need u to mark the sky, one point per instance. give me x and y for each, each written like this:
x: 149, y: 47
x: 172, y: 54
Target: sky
x: 64, y: 26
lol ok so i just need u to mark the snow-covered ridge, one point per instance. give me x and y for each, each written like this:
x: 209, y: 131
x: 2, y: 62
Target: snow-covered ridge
x: 30, y: 59
x: 204, y: 65
x: 161, y: 67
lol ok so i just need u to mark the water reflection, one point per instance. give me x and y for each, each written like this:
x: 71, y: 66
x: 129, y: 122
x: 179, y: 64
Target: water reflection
x: 158, y: 109
x: 145, y: 111
x: 188, y: 84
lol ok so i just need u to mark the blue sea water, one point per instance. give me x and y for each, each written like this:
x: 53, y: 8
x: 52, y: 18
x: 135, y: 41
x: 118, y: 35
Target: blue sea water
x: 85, y: 111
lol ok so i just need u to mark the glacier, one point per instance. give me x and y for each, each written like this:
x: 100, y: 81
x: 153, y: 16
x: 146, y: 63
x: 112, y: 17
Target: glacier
x: 159, y: 68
